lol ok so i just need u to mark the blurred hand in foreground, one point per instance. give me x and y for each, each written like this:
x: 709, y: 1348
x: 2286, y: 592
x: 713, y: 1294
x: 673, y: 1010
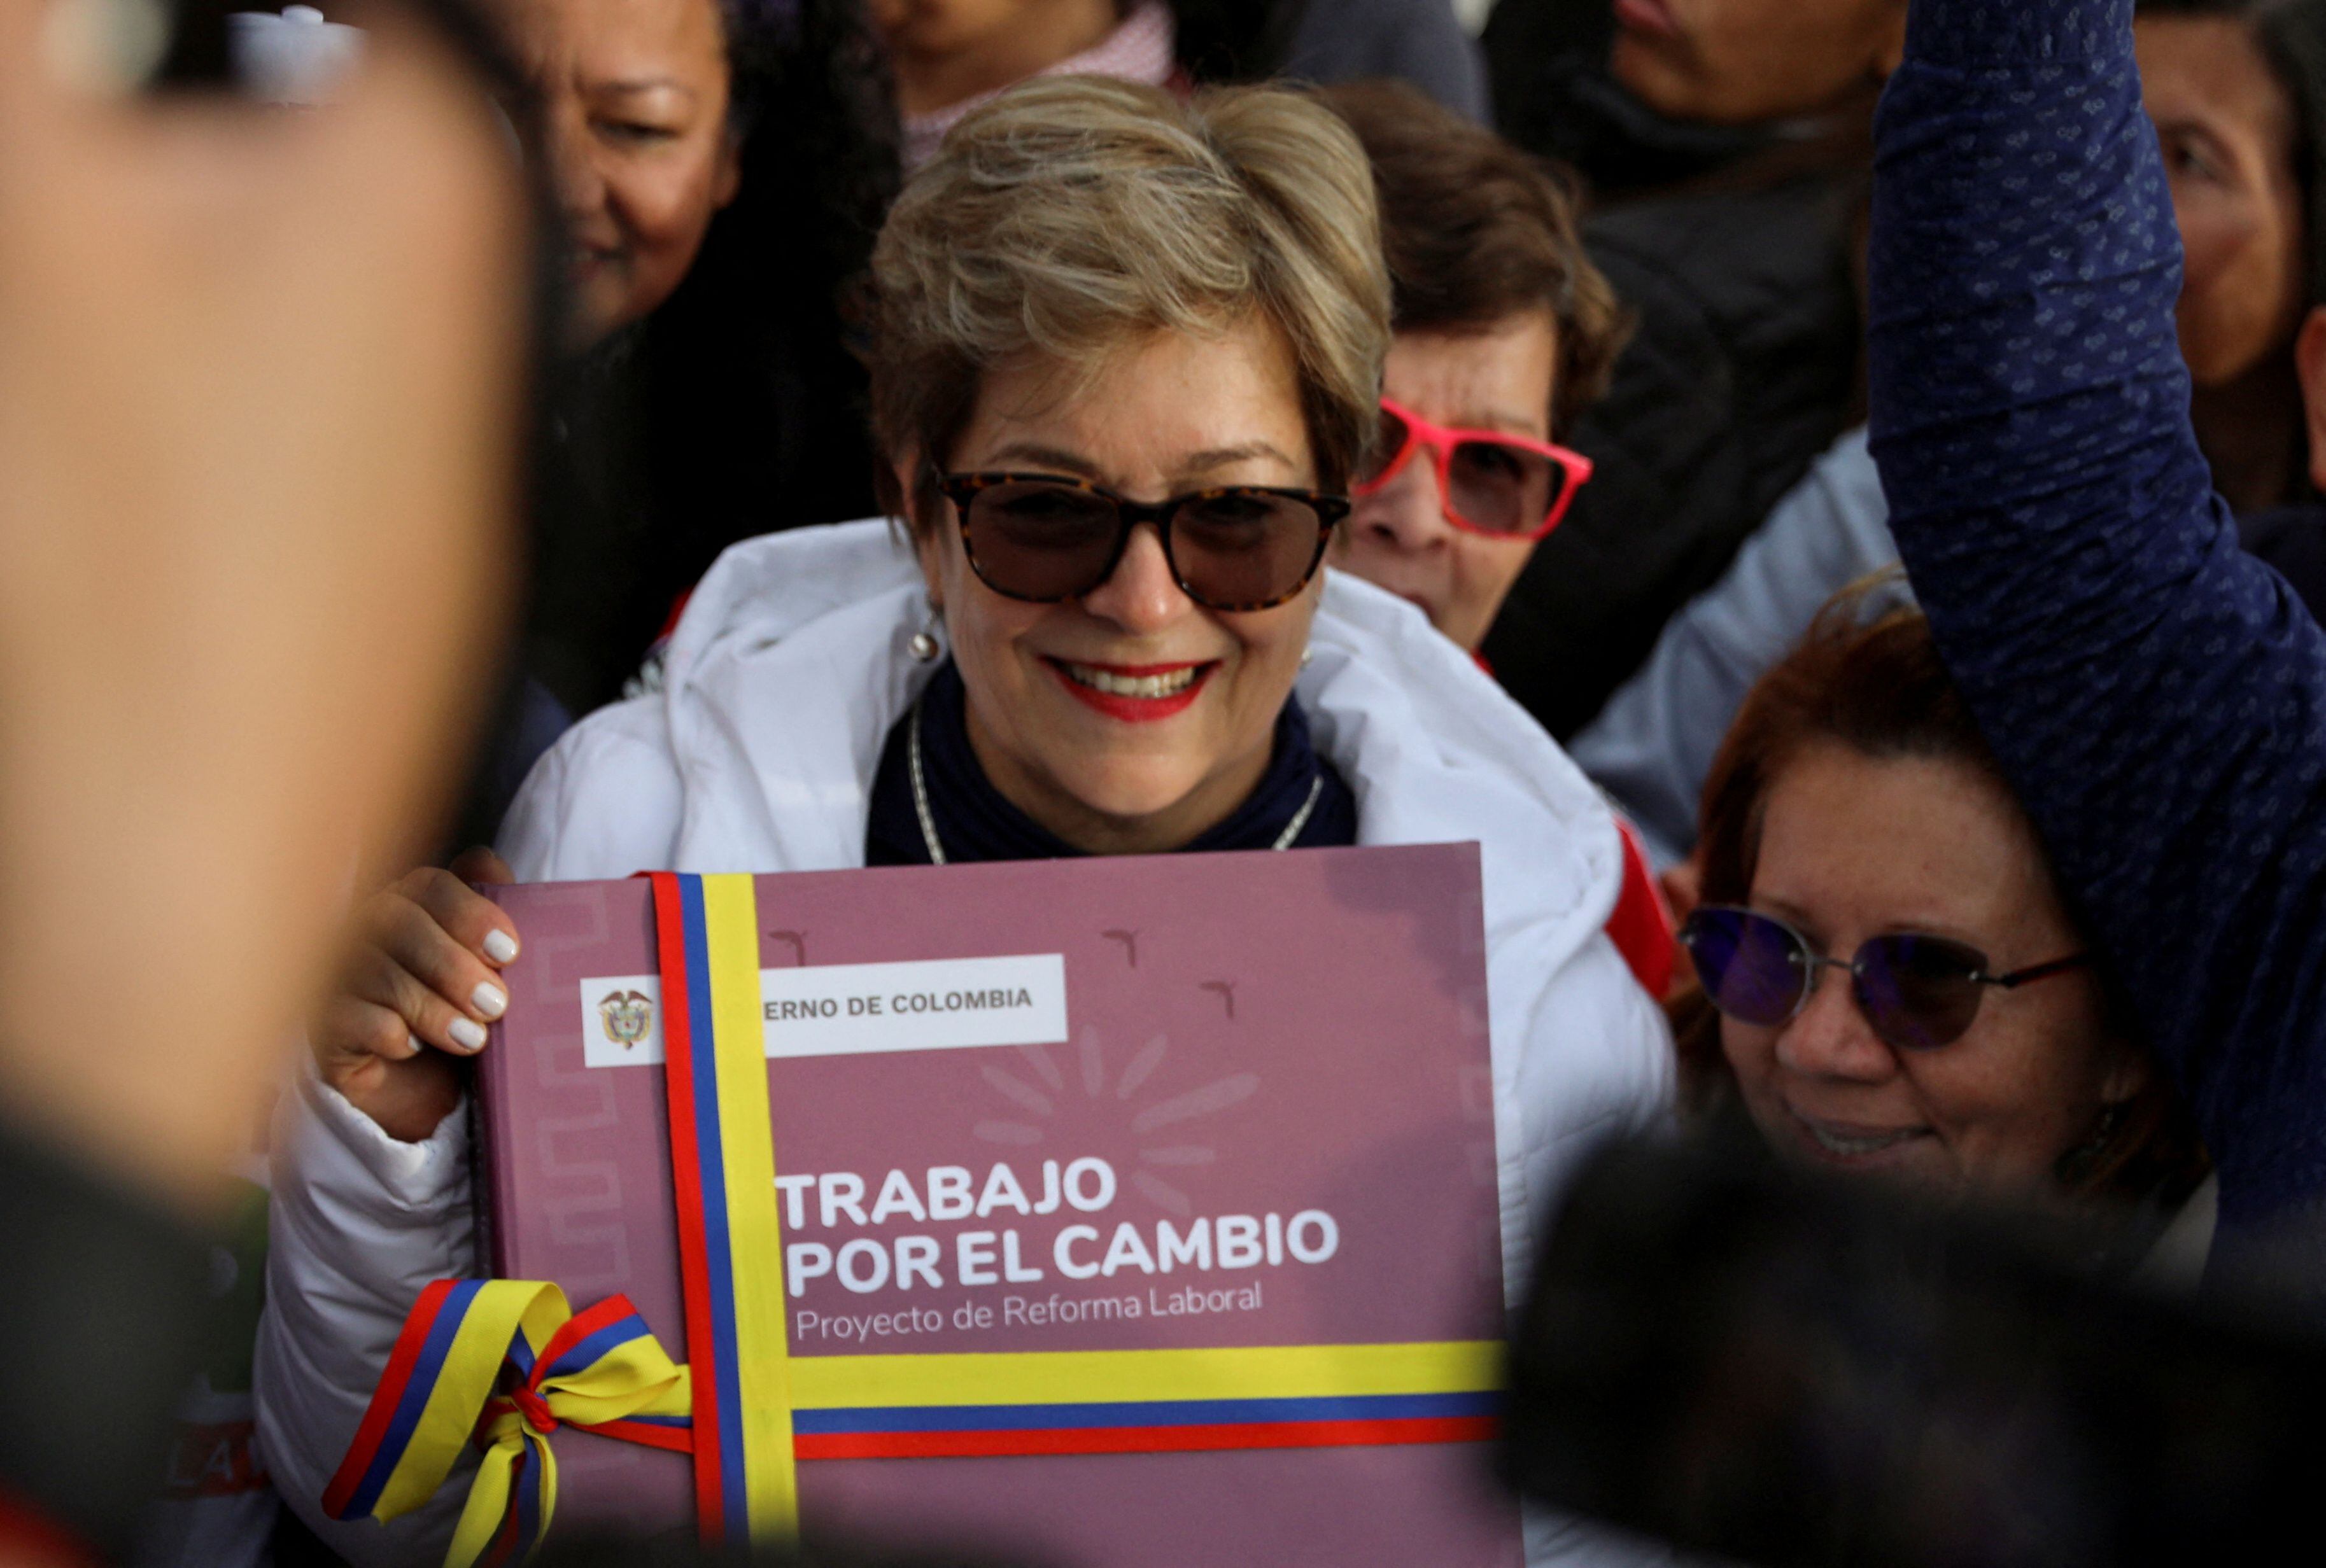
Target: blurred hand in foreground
x: 260, y: 376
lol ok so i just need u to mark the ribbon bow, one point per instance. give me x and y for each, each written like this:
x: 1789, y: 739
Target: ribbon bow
x: 503, y: 1363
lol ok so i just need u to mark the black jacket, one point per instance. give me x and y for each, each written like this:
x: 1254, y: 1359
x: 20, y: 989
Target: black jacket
x: 1746, y: 367
x: 1737, y: 255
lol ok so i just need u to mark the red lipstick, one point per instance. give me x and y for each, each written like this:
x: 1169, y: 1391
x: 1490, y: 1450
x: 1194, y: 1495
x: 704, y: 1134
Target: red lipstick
x: 1127, y: 707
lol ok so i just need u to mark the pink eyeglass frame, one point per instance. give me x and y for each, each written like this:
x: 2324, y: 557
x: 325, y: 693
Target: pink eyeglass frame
x: 1441, y: 440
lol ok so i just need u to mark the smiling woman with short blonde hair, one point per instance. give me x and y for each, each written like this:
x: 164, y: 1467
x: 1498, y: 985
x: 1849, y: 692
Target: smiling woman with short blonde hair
x: 1074, y: 217
x: 1127, y: 352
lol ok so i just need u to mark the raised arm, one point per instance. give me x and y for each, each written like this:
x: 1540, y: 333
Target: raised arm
x: 2158, y: 696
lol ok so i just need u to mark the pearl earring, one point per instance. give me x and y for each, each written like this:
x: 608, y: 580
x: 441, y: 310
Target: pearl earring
x: 924, y: 646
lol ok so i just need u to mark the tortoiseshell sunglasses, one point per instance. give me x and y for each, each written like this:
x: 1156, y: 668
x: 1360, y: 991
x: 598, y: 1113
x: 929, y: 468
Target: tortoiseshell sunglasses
x: 1044, y: 538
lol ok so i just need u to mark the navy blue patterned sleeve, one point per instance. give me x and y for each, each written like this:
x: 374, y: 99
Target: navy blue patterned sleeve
x: 2157, y: 696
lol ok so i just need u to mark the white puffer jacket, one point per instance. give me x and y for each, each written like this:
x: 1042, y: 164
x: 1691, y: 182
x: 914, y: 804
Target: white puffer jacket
x: 781, y: 682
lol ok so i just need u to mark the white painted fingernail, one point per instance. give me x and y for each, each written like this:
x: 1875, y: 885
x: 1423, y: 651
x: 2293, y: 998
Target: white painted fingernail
x: 499, y: 946
x: 489, y: 999
x: 467, y: 1033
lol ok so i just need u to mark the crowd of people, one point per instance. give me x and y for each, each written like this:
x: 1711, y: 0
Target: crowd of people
x: 1806, y: 485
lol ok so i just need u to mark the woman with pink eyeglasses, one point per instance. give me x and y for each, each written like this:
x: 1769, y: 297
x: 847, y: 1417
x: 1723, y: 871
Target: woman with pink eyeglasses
x: 1504, y: 332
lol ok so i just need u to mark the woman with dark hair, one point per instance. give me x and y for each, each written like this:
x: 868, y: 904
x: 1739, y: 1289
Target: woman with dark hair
x: 1855, y: 819
x: 723, y: 166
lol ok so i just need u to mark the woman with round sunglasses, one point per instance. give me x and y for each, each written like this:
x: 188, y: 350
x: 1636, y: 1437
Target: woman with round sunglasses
x: 1890, y: 981
x: 1125, y: 354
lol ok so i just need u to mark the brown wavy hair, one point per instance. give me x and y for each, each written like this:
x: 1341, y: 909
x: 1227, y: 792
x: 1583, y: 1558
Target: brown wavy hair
x: 1477, y: 231
x: 1874, y: 681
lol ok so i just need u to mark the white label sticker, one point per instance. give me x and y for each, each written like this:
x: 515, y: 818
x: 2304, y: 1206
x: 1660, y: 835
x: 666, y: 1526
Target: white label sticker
x: 854, y: 1010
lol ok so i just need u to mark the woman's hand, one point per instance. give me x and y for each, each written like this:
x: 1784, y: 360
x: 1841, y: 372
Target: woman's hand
x: 416, y: 995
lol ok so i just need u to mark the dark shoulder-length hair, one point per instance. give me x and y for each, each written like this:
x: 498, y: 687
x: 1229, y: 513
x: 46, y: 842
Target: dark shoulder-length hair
x: 1478, y: 231
x: 752, y: 374
x: 1874, y: 681
x: 740, y: 406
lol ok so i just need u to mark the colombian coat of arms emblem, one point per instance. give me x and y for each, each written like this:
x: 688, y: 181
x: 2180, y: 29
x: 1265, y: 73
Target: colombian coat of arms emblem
x: 626, y: 1017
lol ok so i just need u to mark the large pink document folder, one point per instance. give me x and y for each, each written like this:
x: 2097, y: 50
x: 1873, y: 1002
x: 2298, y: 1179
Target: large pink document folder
x: 1238, y: 1101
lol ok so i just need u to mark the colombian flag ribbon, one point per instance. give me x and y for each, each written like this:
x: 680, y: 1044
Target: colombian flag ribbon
x: 729, y: 1242
x: 1028, y: 1403
x: 602, y: 1372
x: 506, y: 1362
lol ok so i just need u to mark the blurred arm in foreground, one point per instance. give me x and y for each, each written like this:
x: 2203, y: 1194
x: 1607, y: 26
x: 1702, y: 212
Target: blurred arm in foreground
x: 259, y: 383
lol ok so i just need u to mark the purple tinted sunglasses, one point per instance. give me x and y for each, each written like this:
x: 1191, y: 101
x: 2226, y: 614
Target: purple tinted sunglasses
x: 1917, y: 992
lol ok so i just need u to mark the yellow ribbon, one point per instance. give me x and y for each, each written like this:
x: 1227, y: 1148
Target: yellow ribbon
x: 633, y: 1377
x: 600, y: 1371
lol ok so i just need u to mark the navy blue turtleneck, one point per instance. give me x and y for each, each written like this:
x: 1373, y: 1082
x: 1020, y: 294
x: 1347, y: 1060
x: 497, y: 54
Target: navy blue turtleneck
x: 974, y: 823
